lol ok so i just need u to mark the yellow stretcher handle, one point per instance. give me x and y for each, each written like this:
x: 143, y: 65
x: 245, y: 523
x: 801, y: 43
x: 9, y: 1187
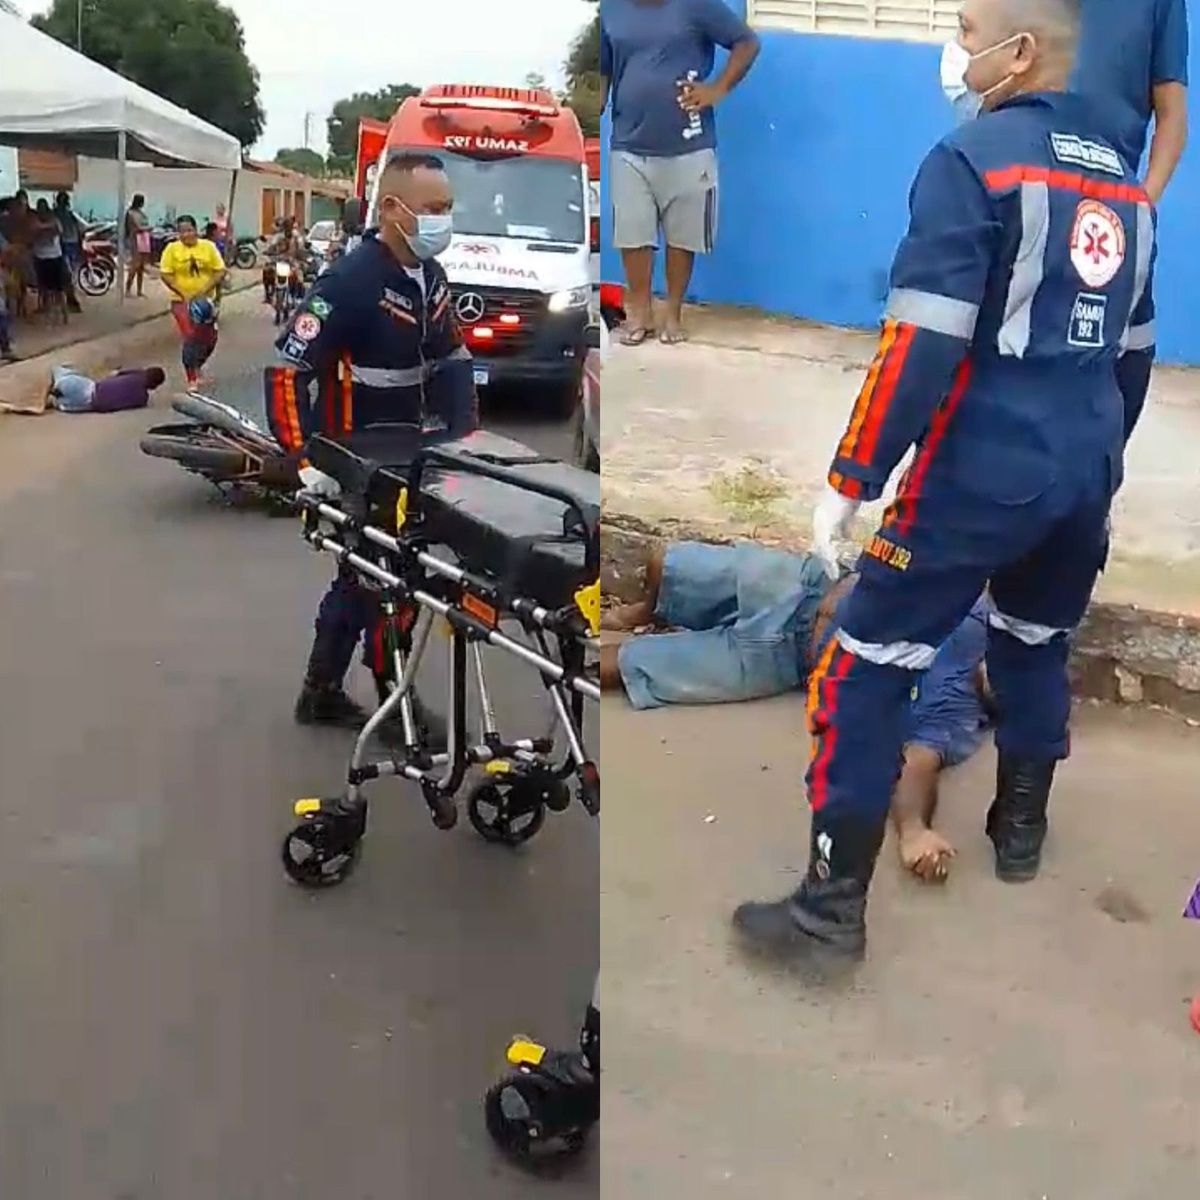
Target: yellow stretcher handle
x: 587, y: 600
x: 523, y: 1053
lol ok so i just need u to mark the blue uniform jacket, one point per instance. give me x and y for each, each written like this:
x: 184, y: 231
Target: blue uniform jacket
x: 1024, y: 274
x: 379, y: 348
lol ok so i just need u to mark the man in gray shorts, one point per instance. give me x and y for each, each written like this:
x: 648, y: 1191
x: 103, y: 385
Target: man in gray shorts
x: 655, y: 56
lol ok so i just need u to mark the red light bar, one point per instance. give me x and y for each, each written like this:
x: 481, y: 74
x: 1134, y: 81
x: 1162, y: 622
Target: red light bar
x: 509, y: 319
x: 491, y: 104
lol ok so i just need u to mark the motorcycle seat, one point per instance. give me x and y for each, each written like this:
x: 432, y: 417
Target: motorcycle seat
x: 527, y: 522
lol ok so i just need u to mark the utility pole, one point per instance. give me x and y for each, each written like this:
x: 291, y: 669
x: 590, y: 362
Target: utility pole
x: 79, y: 27
x: 307, y: 126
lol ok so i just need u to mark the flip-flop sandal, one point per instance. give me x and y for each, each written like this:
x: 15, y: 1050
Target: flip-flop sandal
x: 636, y: 335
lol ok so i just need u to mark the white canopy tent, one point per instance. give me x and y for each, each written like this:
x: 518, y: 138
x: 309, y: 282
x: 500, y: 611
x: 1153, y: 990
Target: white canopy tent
x: 50, y: 95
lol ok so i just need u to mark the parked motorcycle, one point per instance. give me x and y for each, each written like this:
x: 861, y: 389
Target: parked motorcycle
x: 97, y: 269
x: 225, y: 448
x: 245, y: 256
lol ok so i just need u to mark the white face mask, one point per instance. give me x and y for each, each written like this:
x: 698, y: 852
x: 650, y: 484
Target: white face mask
x: 955, y: 63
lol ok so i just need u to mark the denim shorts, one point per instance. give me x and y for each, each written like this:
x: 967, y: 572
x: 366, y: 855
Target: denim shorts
x: 742, y: 618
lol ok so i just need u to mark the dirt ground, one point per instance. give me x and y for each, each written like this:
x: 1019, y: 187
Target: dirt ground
x: 735, y: 431
x: 1001, y: 1043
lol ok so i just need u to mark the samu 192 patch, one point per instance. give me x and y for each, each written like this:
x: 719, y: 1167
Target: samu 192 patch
x: 1086, y: 328
x: 294, y: 349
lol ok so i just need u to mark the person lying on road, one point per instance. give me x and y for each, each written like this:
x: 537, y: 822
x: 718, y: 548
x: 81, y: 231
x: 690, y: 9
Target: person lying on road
x: 748, y: 622
x: 72, y: 392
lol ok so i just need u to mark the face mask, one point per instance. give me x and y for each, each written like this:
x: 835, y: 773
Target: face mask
x: 955, y: 63
x: 433, y: 233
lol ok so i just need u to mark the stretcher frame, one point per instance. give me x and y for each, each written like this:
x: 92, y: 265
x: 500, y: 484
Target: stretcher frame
x: 402, y: 570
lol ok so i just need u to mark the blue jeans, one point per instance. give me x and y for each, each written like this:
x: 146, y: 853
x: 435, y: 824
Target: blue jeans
x: 744, y: 616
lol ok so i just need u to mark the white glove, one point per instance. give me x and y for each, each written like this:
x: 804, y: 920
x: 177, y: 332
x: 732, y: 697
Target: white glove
x: 833, y: 520
x: 317, y: 483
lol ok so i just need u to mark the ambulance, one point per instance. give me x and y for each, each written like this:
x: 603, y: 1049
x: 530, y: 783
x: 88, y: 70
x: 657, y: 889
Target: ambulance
x: 520, y: 264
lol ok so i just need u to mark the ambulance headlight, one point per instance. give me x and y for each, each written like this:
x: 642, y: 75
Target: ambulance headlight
x: 571, y: 300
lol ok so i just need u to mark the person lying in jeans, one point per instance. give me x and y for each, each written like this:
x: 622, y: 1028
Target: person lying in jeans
x: 745, y: 621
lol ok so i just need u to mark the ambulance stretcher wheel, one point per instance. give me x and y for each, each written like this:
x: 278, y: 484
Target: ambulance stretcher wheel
x: 320, y: 853
x: 507, y: 814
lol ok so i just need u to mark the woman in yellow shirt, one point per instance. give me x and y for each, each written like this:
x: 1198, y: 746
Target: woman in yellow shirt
x: 191, y: 269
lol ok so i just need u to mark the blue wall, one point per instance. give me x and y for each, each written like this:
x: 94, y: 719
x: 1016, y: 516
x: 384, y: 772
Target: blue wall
x: 818, y: 149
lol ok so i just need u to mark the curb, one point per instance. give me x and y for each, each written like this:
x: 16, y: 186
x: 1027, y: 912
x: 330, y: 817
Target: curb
x: 87, y: 339
x: 1121, y: 654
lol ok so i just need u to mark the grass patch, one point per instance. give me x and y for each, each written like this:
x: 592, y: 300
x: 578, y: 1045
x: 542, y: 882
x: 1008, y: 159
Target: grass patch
x: 750, y: 493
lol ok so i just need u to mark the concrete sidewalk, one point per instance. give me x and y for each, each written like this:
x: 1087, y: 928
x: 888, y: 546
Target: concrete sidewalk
x: 731, y: 436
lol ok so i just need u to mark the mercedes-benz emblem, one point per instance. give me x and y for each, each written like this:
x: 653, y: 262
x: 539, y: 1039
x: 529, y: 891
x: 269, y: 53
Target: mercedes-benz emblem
x: 469, y: 307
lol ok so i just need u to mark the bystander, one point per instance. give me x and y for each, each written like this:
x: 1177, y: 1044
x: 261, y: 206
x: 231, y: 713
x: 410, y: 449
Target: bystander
x: 656, y: 57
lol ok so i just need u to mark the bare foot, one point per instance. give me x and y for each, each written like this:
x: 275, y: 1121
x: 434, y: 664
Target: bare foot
x: 625, y: 618
x: 673, y: 333
x: 925, y: 853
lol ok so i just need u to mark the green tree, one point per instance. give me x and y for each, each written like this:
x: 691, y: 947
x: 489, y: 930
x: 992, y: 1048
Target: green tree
x: 342, y: 125
x: 192, y: 52
x: 307, y: 162
x: 584, y: 91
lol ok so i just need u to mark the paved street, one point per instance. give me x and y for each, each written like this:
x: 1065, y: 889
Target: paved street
x: 1001, y: 1043
x: 177, y: 1022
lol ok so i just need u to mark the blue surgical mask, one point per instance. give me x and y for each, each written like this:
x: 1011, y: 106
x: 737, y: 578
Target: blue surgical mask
x: 955, y: 62
x: 433, y: 233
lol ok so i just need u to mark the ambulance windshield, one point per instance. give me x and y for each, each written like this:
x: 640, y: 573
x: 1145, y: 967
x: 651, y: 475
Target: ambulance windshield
x: 539, y: 199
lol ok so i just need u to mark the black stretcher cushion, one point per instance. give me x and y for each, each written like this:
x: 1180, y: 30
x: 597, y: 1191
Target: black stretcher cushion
x: 537, y: 546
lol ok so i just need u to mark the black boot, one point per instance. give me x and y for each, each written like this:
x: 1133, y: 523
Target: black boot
x: 1016, y: 820
x: 328, y: 704
x: 822, y: 925
x: 431, y: 728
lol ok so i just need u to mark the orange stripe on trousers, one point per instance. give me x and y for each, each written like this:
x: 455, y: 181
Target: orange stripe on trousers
x: 822, y: 708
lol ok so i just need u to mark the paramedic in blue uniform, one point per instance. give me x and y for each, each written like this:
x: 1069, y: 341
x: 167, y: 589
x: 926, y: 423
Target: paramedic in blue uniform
x: 1133, y: 56
x: 375, y: 342
x: 1025, y: 268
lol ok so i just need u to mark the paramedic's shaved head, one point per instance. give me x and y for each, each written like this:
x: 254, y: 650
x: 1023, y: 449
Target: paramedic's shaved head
x: 411, y: 186
x: 1019, y: 45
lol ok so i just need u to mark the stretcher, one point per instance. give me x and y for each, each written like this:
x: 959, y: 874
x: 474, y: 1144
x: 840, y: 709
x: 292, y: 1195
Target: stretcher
x: 499, y: 547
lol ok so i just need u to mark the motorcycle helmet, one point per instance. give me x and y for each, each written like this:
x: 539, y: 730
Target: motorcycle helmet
x: 612, y: 304
x: 202, y: 312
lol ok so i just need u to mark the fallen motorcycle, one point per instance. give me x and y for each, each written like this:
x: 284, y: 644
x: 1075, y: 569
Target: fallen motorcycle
x: 226, y: 448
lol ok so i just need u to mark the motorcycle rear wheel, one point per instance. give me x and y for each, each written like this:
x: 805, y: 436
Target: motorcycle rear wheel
x: 95, y: 277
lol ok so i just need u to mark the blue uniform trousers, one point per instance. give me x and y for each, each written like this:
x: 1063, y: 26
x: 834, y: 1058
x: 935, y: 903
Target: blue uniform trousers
x: 920, y: 576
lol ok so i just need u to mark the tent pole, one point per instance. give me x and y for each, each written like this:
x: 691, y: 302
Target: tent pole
x: 231, y: 234
x: 122, y: 204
